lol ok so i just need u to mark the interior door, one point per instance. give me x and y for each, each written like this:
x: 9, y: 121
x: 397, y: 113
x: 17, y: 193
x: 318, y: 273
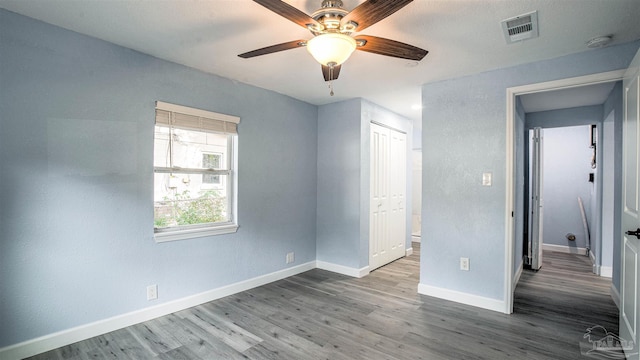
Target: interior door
x: 397, y: 192
x: 387, y: 229
x: 536, y: 171
x: 379, y: 202
x: 629, y: 316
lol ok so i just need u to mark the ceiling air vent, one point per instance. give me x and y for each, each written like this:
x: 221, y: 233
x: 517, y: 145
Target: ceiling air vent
x: 521, y: 27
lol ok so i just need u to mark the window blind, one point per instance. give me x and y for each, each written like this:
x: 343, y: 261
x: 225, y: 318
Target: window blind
x: 187, y: 118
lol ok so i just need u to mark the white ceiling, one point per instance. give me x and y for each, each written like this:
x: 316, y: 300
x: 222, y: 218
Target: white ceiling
x: 462, y: 36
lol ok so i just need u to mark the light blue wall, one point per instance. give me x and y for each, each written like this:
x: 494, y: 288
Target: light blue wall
x: 339, y: 196
x: 566, y: 173
x: 76, y: 147
x: 343, y: 179
x: 583, y: 115
x: 464, y: 134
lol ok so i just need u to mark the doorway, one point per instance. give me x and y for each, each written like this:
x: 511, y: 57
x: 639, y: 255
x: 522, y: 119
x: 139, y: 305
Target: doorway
x: 388, y: 195
x: 561, y: 194
x: 515, y: 135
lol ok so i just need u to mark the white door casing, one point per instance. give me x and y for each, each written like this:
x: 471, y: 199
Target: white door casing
x: 387, y: 196
x: 537, y: 177
x: 511, y: 160
x: 629, y: 286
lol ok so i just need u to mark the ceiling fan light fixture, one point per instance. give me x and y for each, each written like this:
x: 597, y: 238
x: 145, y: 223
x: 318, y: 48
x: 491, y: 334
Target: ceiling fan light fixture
x: 331, y: 48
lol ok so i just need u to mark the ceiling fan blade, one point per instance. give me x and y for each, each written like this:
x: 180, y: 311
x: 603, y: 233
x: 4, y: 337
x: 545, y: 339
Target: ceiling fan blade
x: 382, y: 46
x: 326, y: 72
x: 372, y: 11
x: 285, y: 10
x: 274, y: 48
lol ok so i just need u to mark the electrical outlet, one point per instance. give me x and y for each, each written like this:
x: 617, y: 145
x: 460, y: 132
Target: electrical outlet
x: 486, y: 179
x: 152, y: 292
x: 290, y: 257
x: 464, y: 264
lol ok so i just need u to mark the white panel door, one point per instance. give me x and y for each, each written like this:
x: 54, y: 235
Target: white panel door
x: 387, y: 229
x: 629, y: 286
x: 379, y: 202
x: 397, y: 193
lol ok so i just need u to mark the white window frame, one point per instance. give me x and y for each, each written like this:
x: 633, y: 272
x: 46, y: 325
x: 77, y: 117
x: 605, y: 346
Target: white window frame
x: 173, y: 234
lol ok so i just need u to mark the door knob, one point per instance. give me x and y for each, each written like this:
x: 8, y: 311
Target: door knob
x: 634, y: 233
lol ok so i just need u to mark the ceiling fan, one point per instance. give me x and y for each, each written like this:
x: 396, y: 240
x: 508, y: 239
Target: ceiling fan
x: 333, y: 28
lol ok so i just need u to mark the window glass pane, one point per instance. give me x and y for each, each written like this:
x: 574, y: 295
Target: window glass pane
x: 187, y: 148
x: 161, y: 147
x: 180, y: 199
x: 211, y: 161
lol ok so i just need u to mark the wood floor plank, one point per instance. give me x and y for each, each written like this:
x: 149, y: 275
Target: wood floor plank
x: 152, y: 337
x: 198, y: 340
x: 322, y: 315
x: 228, y: 332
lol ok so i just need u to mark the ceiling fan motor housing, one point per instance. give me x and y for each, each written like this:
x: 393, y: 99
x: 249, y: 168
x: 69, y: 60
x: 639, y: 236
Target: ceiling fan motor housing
x: 329, y: 16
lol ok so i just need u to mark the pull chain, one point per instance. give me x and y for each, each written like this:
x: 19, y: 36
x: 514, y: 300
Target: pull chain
x: 331, y: 79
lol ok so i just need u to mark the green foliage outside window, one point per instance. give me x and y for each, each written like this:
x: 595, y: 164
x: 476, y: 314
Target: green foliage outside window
x: 183, y: 209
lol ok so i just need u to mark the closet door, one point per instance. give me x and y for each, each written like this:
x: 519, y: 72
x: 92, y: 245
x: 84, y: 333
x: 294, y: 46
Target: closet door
x: 387, y: 229
x: 397, y: 193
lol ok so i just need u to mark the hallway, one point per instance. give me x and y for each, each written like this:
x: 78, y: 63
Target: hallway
x: 566, y: 298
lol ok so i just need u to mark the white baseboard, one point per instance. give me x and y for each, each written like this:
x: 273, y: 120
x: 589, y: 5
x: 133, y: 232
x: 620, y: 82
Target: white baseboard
x: 464, y: 298
x: 408, y: 252
x: 83, y: 332
x: 615, y: 295
x: 565, y: 249
x: 415, y: 238
x: 341, y: 269
x: 606, y: 271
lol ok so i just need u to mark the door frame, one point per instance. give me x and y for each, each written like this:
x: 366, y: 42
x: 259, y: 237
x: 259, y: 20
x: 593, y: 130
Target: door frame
x: 536, y: 201
x: 510, y: 161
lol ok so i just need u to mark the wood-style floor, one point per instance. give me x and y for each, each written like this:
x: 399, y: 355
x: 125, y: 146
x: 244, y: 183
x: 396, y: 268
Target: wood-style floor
x: 322, y: 315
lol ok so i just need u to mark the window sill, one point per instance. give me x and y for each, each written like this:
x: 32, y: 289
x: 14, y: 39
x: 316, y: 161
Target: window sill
x: 176, y: 235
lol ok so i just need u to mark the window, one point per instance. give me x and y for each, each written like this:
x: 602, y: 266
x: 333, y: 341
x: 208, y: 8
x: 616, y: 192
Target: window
x: 211, y: 161
x: 194, y: 173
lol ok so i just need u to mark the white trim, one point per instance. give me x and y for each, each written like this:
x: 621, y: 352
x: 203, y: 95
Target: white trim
x: 510, y: 205
x: 516, y: 277
x: 461, y: 297
x: 565, y: 249
x: 415, y: 238
x: 408, y: 251
x: 344, y: 270
x: 83, y: 332
x: 615, y: 296
x: 510, y: 159
x: 595, y: 268
x: 174, y: 235
x: 606, y: 271
x: 196, y: 112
